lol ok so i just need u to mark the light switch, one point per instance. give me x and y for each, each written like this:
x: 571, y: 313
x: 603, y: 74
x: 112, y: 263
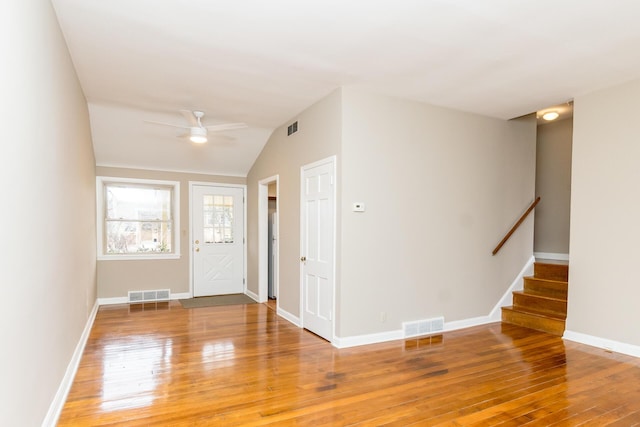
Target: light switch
x: 358, y: 207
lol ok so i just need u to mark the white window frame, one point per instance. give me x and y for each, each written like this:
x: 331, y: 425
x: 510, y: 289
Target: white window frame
x: 101, y: 219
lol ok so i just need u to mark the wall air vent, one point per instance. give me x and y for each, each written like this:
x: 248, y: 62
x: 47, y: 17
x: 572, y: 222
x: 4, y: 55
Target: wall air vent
x: 149, y: 296
x: 292, y: 128
x: 423, y: 327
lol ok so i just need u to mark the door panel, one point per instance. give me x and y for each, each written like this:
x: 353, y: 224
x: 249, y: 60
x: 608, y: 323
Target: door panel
x: 318, y: 225
x: 218, y: 240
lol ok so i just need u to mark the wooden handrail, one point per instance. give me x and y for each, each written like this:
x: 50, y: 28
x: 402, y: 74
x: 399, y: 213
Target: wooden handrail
x: 516, y: 225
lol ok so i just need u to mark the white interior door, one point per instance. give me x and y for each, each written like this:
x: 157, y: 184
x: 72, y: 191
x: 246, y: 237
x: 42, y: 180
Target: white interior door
x: 317, y: 257
x: 217, y: 230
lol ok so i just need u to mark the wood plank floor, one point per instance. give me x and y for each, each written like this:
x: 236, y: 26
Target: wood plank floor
x: 161, y: 364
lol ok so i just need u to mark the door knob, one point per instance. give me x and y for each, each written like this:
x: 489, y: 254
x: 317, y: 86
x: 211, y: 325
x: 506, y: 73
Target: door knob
x: 197, y: 241
x: 197, y: 249
x: 303, y: 258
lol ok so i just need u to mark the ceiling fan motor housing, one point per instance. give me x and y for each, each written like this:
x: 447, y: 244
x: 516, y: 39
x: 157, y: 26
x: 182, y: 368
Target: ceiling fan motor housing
x: 198, y: 135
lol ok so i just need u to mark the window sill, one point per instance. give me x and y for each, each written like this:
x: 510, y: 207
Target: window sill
x: 137, y: 257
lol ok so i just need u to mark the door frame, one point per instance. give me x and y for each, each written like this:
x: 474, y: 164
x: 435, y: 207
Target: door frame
x: 263, y: 239
x: 244, y: 226
x: 334, y: 160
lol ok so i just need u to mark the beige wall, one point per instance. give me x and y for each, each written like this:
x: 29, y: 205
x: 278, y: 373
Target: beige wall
x: 48, y: 211
x: 605, y: 215
x: 441, y: 188
x: 116, y: 278
x: 553, y: 185
x: 318, y: 137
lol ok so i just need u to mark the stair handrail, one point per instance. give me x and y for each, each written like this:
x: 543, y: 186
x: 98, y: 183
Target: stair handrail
x: 516, y: 225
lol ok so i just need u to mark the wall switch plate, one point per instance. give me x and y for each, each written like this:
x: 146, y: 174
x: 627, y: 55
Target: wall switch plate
x: 358, y: 207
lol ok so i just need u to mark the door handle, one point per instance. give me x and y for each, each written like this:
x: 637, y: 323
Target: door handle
x: 197, y: 249
x: 303, y: 258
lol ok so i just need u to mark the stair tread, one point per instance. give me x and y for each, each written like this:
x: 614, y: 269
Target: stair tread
x: 562, y: 282
x: 540, y: 295
x: 537, y: 313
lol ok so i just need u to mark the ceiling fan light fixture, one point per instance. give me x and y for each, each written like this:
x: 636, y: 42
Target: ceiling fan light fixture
x: 198, y: 135
x: 551, y: 115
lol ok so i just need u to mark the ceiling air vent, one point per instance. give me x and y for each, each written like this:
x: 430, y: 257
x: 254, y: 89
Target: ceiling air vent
x: 292, y: 128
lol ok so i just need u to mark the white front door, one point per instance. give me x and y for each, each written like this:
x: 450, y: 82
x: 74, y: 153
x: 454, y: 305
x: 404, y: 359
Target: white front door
x: 317, y: 247
x: 217, y: 230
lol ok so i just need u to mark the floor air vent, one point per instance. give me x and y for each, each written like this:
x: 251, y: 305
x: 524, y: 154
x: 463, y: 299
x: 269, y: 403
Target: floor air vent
x: 423, y: 327
x: 148, y: 296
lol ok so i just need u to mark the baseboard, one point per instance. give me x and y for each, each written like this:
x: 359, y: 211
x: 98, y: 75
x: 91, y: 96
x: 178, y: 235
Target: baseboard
x: 603, y: 343
x: 551, y: 255
x: 289, y: 317
x: 114, y: 300
x: 468, y: 323
x: 252, y: 295
x: 183, y: 295
x: 51, y: 419
x: 507, y: 298
x: 367, y: 339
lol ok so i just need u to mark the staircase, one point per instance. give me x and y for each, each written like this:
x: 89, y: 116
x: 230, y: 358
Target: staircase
x: 542, y: 305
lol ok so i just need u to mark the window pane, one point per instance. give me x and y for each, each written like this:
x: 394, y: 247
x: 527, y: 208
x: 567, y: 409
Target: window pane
x: 138, y: 203
x: 124, y: 237
x: 218, y: 219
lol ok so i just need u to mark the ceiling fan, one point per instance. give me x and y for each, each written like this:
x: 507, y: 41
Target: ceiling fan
x: 197, y: 131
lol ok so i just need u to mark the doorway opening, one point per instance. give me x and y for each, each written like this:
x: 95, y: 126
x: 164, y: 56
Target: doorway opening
x: 268, y: 246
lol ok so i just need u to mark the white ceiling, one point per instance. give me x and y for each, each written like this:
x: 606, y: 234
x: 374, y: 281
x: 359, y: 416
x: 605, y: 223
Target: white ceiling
x: 262, y: 62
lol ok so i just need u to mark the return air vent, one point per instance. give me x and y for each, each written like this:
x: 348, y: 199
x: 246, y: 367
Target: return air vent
x: 292, y: 128
x: 147, y: 296
x: 423, y: 327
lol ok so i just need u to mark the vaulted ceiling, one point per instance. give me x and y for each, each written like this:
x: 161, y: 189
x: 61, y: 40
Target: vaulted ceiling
x: 262, y: 62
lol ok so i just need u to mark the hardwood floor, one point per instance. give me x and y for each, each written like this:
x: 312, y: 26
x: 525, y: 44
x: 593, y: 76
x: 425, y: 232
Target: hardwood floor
x: 160, y: 364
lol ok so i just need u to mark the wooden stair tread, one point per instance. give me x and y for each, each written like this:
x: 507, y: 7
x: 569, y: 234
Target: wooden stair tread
x: 550, y: 281
x: 541, y: 295
x: 537, y: 313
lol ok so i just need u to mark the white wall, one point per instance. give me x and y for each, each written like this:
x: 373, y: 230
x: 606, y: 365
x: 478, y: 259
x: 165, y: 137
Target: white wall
x: 605, y: 215
x: 441, y: 189
x: 318, y: 137
x: 553, y: 185
x: 48, y: 254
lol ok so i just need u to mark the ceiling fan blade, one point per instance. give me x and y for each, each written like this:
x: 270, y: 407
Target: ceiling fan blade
x: 226, y: 126
x: 190, y: 117
x: 168, y: 124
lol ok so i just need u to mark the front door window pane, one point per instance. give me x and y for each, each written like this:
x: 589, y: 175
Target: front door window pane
x: 218, y: 218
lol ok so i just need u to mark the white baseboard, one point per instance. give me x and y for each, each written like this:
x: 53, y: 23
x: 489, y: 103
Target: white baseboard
x: 603, y: 343
x: 114, y: 300
x: 290, y: 317
x: 507, y: 298
x: 468, y: 323
x: 252, y: 295
x: 51, y: 419
x: 183, y: 295
x: 367, y: 339
x: 551, y: 255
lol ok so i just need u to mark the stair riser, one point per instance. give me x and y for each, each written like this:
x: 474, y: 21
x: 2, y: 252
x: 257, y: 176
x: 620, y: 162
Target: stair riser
x: 543, y: 287
x: 553, y: 307
x: 551, y: 326
x: 551, y: 271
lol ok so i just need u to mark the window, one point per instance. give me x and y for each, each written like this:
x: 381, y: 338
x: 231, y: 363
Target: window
x: 137, y: 219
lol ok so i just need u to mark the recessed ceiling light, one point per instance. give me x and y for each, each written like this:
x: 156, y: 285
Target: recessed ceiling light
x: 551, y: 115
